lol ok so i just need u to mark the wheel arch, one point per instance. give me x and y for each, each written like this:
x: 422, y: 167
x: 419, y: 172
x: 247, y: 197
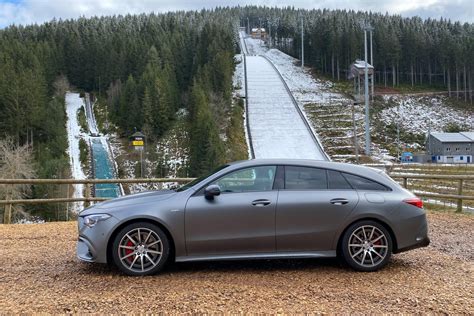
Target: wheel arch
x: 378, y: 220
x: 138, y: 220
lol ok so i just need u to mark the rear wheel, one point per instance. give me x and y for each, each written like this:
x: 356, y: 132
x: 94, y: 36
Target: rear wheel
x: 366, y: 246
x: 140, y: 249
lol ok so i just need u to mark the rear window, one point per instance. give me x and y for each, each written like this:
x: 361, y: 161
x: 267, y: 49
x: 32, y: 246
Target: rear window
x: 364, y: 184
x: 305, y: 178
x: 337, y: 181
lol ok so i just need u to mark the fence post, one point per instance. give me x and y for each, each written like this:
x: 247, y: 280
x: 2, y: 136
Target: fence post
x: 88, y: 194
x: 459, y: 208
x: 405, y: 182
x: 7, y: 215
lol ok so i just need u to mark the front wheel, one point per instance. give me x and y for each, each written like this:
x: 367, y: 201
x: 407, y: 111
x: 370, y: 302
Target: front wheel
x: 366, y: 246
x: 140, y: 249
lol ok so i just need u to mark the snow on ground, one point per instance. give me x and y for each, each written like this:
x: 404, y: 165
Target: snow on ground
x: 73, y: 104
x: 277, y: 129
x: 238, y: 80
x: 418, y: 113
x: 304, y: 87
x: 91, y: 122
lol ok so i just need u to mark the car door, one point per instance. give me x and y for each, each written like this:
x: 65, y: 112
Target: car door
x: 240, y: 220
x: 311, y: 208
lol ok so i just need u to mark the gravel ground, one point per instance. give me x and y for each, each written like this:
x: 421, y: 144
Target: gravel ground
x: 40, y: 273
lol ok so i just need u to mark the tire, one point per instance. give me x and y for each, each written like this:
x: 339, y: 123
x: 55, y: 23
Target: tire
x: 140, y: 249
x: 370, y: 253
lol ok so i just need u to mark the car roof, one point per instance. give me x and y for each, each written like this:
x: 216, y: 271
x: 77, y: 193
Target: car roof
x: 367, y: 172
x: 339, y: 166
x: 304, y: 162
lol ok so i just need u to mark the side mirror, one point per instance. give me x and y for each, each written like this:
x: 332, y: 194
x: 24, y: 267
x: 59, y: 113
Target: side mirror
x: 211, y: 191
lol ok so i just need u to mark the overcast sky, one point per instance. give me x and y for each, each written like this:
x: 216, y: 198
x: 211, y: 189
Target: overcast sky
x: 37, y: 11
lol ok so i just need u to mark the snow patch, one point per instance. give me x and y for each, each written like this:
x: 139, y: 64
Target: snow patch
x: 73, y: 104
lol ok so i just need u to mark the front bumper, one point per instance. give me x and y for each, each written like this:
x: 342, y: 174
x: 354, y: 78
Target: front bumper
x: 92, y: 241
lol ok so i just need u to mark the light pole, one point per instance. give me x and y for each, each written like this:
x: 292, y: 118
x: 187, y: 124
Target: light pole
x: 372, y: 62
x: 354, y: 128
x: 367, y: 28
x: 302, y: 42
x: 398, y: 133
x: 269, y: 25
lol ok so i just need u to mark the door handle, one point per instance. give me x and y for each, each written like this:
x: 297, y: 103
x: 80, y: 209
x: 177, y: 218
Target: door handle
x: 339, y: 201
x: 261, y: 202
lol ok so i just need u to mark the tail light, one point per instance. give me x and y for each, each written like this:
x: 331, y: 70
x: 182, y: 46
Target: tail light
x: 414, y: 201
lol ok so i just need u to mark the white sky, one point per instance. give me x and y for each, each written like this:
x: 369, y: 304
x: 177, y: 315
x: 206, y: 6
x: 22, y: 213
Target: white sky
x: 37, y: 11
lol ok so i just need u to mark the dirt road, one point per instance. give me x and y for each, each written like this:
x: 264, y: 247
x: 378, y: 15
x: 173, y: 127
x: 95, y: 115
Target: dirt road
x: 40, y: 273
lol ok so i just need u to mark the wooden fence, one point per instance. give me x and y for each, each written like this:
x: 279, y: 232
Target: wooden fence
x: 458, y: 181
x: 9, y: 202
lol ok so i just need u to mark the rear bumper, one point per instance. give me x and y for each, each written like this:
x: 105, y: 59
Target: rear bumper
x: 424, y: 242
x: 412, y: 233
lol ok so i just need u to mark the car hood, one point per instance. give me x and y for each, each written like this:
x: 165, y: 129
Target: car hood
x: 133, y: 199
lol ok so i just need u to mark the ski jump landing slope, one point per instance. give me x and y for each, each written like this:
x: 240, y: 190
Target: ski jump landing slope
x: 276, y: 126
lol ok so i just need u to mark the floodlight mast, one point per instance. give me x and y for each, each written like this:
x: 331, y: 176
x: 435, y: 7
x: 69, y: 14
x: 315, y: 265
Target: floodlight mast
x: 367, y: 28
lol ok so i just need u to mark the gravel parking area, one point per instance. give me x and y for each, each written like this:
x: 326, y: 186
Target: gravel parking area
x: 40, y: 273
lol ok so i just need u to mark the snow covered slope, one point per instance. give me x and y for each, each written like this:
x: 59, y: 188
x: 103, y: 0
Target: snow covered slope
x: 277, y: 129
x: 73, y: 104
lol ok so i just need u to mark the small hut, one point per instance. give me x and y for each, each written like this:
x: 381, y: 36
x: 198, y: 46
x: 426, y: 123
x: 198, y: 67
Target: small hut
x: 357, y: 73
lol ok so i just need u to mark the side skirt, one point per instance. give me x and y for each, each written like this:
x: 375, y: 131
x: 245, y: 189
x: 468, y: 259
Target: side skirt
x: 256, y: 256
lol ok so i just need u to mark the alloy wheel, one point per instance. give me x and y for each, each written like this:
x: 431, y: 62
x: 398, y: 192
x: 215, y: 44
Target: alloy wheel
x: 368, y: 246
x: 140, y: 250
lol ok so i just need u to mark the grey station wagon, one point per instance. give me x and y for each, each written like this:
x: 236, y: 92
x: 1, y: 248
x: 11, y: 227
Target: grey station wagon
x: 258, y: 209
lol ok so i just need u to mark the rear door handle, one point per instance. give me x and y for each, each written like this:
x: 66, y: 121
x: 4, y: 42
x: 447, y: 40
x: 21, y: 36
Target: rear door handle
x: 339, y: 201
x: 261, y: 202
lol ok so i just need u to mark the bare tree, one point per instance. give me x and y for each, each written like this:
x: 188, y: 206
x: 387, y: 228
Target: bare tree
x: 16, y: 162
x: 61, y: 86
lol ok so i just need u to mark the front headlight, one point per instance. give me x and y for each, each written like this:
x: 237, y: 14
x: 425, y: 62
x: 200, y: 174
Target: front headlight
x: 92, y: 220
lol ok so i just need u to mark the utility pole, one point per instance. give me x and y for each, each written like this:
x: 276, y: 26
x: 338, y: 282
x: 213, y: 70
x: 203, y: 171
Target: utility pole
x: 269, y: 33
x: 248, y: 26
x: 398, y: 133
x: 372, y: 63
x: 367, y: 111
x: 302, y: 42
x: 356, y: 147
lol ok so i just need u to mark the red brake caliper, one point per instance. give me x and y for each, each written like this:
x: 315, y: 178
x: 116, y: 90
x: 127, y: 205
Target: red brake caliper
x: 129, y: 251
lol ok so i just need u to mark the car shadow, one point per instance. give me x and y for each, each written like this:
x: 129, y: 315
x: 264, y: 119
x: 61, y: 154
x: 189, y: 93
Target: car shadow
x: 254, y: 265
x: 250, y: 266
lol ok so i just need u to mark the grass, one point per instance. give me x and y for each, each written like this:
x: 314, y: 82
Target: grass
x: 439, y: 186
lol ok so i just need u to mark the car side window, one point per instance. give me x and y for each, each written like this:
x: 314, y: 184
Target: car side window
x: 247, y: 180
x: 337, y: 181
x: 305, y: 178
x: 360, y: 183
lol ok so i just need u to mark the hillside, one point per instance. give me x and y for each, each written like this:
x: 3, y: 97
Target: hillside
x: 175, y: 77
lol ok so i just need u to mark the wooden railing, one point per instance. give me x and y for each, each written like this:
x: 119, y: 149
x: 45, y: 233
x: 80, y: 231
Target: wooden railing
x: 9, y: 202
x: 458, y: 181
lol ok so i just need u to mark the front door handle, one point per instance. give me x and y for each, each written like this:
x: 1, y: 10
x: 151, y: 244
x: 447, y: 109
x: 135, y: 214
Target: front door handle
x: 261, y: 202
x: 339, y: 201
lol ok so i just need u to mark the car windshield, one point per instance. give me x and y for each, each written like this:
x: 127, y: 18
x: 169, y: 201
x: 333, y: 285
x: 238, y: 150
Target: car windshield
x: 197, y: 180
